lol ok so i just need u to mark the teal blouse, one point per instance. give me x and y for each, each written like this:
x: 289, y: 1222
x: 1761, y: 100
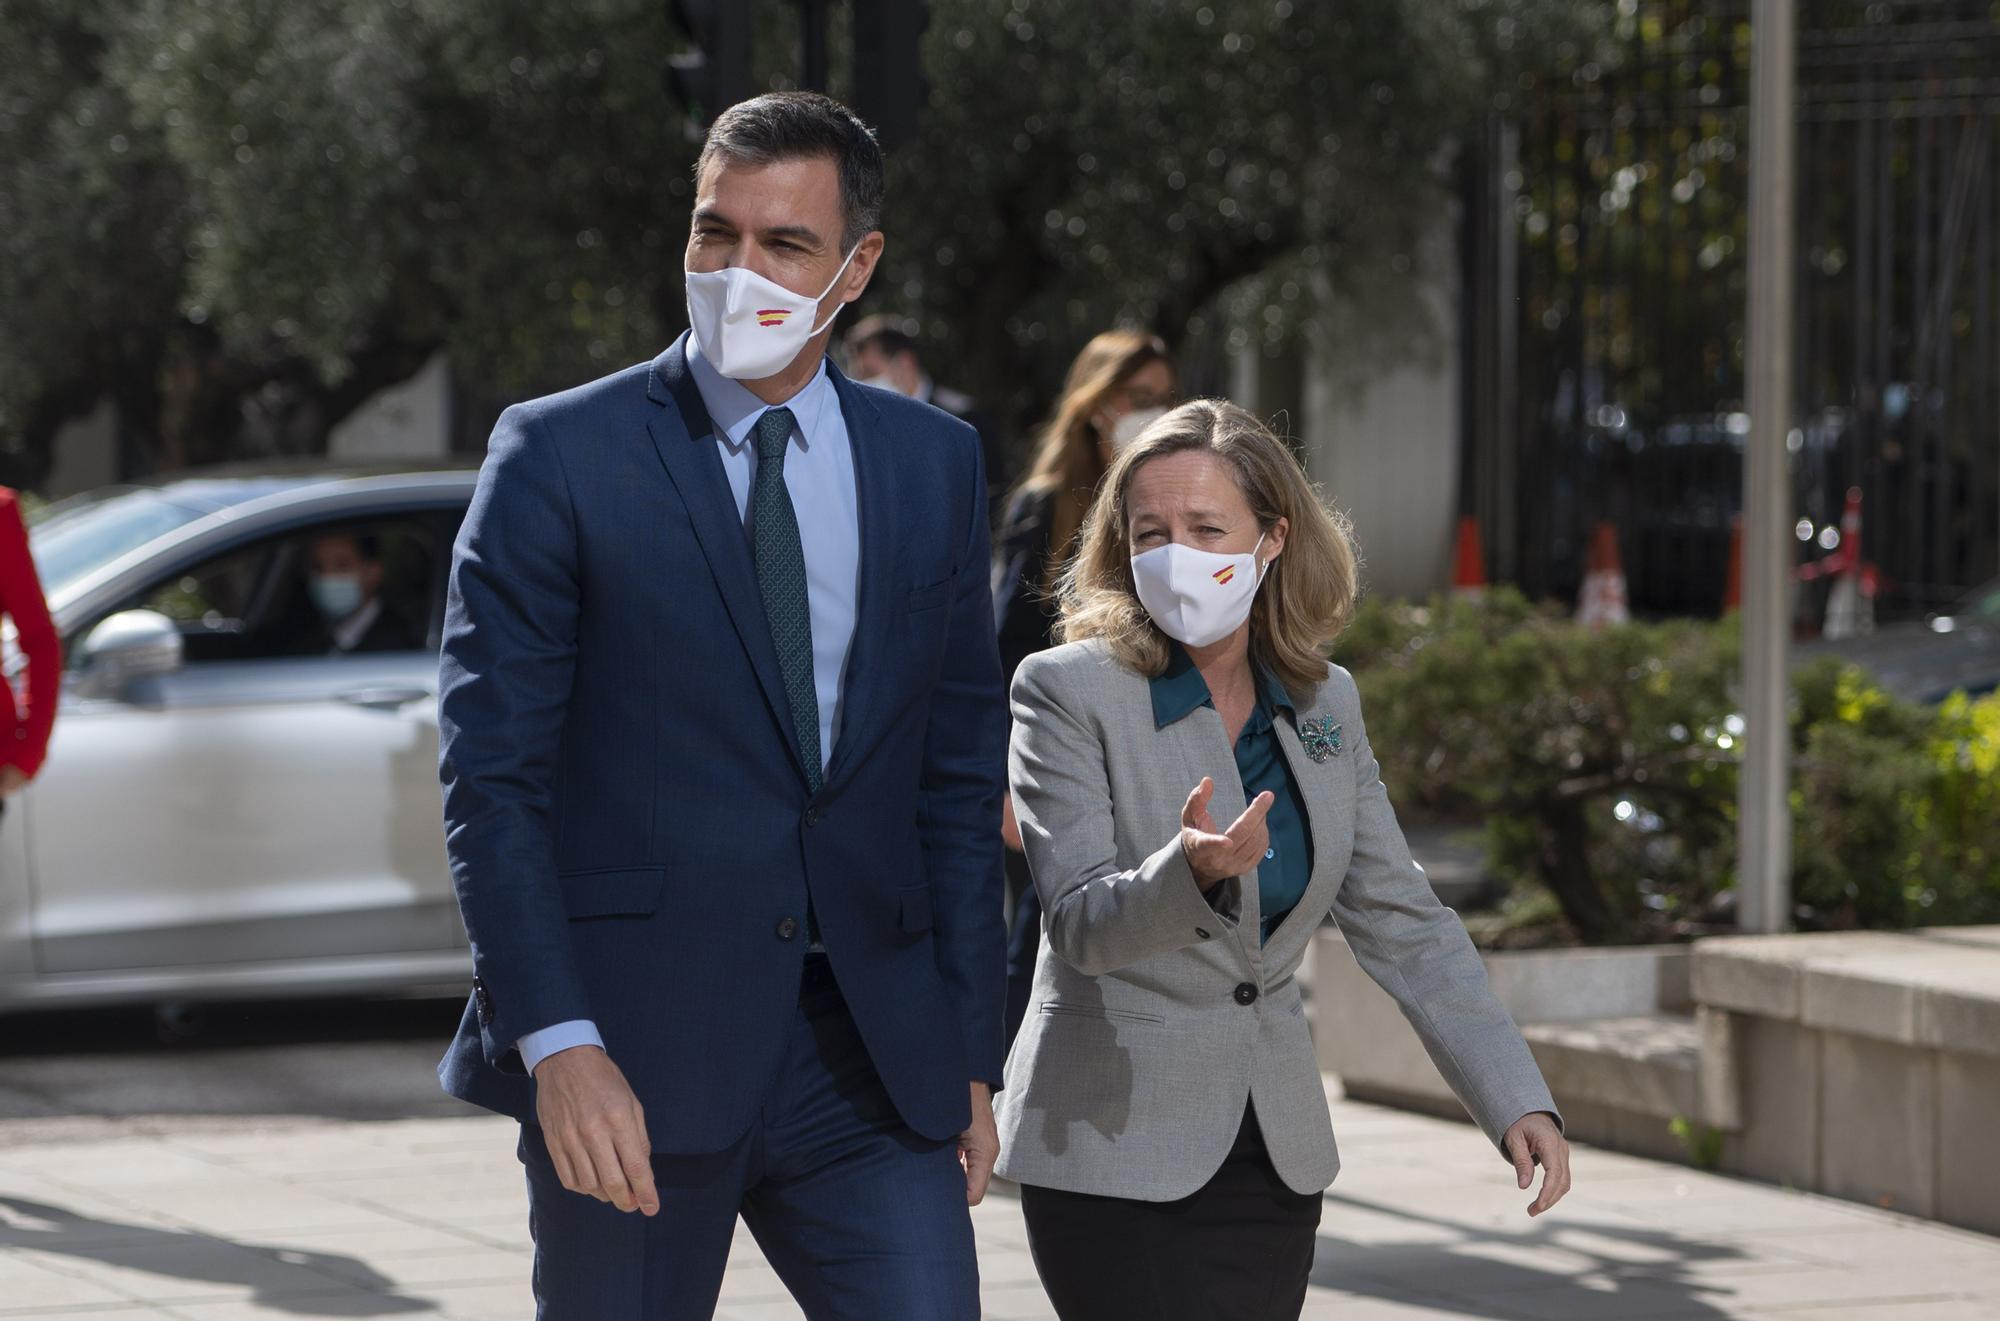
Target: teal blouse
x: 1261, y: 764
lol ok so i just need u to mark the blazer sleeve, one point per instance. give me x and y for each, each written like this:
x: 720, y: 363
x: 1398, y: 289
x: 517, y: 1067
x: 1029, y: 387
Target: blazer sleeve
x: 21, y: 597
x: 1417, y: 950
x: 504, y: 678
x: 1099, y: 917
x: 964, y: 774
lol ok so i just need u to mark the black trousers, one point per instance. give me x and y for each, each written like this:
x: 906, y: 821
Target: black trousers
x: 1240, y: 1249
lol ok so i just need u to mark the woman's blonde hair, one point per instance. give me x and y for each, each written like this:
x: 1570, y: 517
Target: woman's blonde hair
x: 1308, y: 592
x: 1069, y: 460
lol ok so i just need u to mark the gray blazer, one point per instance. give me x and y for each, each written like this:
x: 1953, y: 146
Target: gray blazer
x: 1139, y: 1051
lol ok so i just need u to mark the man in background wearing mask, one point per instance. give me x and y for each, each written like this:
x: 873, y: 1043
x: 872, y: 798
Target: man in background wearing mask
x: 723, y: 745
x: 882, y: 352
x: 344, y: 579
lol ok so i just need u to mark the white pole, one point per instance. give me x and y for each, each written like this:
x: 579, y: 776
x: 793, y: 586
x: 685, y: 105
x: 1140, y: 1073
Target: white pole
x: 1764, y: 853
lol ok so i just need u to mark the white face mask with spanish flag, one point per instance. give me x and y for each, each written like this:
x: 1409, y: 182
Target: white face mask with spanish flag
x: 750, y: 327
x: 1197, y: 597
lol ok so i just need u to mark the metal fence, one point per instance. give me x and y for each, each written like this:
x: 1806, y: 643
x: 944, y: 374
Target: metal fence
x: 1605, y: 299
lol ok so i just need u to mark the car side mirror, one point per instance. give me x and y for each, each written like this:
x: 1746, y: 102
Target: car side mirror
x: 129, y: 646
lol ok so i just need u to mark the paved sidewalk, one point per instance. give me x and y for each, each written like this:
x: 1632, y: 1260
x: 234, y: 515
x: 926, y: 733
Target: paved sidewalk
x: 195, y: 1220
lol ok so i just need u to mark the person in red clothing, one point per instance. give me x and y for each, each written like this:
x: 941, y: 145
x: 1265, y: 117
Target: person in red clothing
x: 24, y: 727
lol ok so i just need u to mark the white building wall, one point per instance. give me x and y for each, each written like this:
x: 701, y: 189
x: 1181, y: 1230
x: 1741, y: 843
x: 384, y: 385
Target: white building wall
x: 407, y: 421
x: 86, y: 453
x: 1380, y: 418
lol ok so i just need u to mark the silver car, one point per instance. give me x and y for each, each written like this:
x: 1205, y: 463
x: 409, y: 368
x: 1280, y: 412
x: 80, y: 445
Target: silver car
x: 241, y: 796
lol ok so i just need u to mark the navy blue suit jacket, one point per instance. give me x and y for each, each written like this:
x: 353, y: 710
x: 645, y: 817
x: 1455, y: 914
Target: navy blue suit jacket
x: 626, y: 812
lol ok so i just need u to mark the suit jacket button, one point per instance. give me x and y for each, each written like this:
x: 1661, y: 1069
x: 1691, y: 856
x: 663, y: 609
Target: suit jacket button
x: 814, y: 816
x: 787, y: 929
x: 1246, y: 994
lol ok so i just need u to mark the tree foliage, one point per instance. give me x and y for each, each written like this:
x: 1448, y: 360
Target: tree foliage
x: 239, y: 219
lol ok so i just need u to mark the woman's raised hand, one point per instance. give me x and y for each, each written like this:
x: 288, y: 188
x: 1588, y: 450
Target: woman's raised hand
x: 1215, y: 857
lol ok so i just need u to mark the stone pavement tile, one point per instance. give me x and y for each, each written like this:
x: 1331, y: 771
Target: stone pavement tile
x: 355, y: 1304
x: 1890, y: 1238
x: 248, y: 1207
x: 774, y: 1309
x: 384, y: 1240
x: 479, y: 1302
x: 1328, y: 1305
x: 751, y: 1282
x: 1715, y: 1206
x: 31, y: 1285
x: 201, y: 1267
x: 1018, y: 1302
x: 31, y: 1204
x: 405, y: 1273
x: 506, y: 1230
x: 129, y: 1312
x: 1739, y: 1296
x: 1932, y: 1309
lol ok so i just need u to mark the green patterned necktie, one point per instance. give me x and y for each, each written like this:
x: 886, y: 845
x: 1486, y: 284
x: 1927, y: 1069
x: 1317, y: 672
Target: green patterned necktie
x: 781, y: 577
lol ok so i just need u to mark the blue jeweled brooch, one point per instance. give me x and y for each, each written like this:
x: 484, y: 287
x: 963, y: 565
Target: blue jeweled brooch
x: 1321, y: 737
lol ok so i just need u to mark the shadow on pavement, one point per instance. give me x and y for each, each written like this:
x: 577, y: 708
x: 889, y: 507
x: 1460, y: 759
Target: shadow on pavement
x: 283, y: 1279
x: 1483, y: 1282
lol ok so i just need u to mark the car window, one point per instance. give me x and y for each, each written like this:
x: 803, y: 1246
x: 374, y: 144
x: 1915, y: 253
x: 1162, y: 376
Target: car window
x: 74, y: 537
x: 212, y: 596
x: 336, y: 589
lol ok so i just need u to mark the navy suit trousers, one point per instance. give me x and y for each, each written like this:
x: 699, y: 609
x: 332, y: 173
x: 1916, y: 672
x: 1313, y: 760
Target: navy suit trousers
x: 859, y: 1216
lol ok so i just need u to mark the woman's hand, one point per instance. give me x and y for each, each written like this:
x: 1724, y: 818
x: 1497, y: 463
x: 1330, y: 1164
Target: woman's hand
x: 1236, y: 851
x: 1535, y: 1140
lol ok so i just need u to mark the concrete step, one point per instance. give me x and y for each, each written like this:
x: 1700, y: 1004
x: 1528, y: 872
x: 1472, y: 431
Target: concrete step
x: 1648, y: 1064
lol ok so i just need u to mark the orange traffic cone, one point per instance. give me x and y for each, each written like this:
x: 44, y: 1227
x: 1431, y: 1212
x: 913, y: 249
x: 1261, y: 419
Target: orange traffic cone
x: 1601, y: 601
x: 1732, y: 589
x: 1850, y: 602
x: 1468, y: 579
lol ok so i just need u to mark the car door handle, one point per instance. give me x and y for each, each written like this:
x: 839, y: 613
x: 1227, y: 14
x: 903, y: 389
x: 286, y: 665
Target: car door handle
x: 383, y: 699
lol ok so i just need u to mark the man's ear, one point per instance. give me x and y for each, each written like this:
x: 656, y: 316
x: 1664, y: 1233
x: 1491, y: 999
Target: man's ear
x: 862, y: 269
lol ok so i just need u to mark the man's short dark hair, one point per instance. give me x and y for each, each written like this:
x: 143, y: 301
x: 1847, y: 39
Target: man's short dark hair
x: 785, y: 126
x: 891, y: 334
x: 367, y: 545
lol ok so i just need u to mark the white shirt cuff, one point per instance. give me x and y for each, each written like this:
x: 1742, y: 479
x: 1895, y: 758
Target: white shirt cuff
x: 538, y: 1046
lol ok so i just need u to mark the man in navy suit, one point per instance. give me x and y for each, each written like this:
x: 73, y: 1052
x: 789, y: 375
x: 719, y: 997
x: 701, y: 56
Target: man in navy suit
x: 723, y: 747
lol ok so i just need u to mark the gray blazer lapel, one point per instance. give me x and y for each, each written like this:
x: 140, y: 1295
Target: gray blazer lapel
x: 1328, y: 790
x: 1203, y: 745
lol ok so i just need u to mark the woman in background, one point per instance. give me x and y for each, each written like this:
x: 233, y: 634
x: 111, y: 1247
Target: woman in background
x: 1121, y: 381
x: 24, y: 729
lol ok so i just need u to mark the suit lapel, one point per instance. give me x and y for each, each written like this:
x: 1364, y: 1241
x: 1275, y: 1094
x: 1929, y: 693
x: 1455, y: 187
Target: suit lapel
x: 882, y: 524
x: 1203, y: 743
x: 1322, y: 787
x: 685, y: 438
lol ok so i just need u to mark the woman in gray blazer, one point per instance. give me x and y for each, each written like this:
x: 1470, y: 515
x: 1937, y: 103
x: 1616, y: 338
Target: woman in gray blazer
x: 1195, y: 792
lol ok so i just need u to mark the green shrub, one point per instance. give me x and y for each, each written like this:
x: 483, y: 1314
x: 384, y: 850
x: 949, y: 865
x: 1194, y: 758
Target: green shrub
x: 1604, y: 767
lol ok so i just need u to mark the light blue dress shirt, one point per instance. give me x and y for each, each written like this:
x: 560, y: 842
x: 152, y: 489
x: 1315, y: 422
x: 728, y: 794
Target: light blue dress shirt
x: 819, y: 474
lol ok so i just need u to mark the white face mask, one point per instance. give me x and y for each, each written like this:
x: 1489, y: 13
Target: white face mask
x: 749, y: 327
x: 1127, y: 428
x: 1197, y: 596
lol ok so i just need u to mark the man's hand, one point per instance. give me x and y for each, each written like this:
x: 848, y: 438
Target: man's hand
x: 1535, y: 1139
x: 1215, y: 857
x: 979, y: 1146
x: 12, y: 781
x: 595, y: 1130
